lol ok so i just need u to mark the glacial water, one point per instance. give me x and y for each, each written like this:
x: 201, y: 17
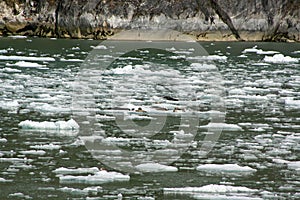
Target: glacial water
x: 61, y: 138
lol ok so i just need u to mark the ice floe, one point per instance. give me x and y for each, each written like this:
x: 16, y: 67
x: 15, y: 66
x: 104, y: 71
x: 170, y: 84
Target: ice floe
x: 155, y: 167
x: 33, y: 152
x: 225, y: 168
x: 259, y: 51
x: 279, y: 58
x: 3, y: 180
x: 210, y: 189
x: 50, y: 146
x: 97, y: 178
x: 58, y: 125
x: 27, y: 58
x: 84, y: 191
x: 26, y: 64
x: 222, y: 126
x: 9, y: 105
x: 64, y: 171
x: 291, y: 103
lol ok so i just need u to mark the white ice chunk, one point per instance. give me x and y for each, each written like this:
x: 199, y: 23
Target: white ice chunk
x: 18, y: 36
x: 9, y: 105
x: 291, y: 103
x: 63, y: 170
x: 84, y: 191
x: 102, y: 47
x: 223, y: 126
x: 26, y: 64
x: 59, y: 125
x: 97, y: 178
x: 155, y: 167
x: 279, y: 58
x: 46, y: 146
x: 3, y: 140
x: 27, y: 58
x: 33, y: 152
x: 227, y: 168
x: 210, y: 189
x: 259, y: 51
x: 294, y: 165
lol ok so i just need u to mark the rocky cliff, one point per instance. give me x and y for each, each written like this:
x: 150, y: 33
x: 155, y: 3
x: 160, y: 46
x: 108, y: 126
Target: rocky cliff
x: 267, y: 20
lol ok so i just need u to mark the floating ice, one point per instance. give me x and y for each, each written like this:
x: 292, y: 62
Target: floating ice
x: 9, y: 105
x: 27, y: 58
x: 99, y: 47
x: 59, y: 125
x: 65, y: 171
x: 17, y: 36
x: 155, y: 167
x: 137, y: 117
x: 71, y: 60
x: 26, y: 64
x: 291, y: 103
x: 279, y: 58
x: 46, y: 146
x: 259, y: 51
x: 210, y: 189
x: 97, y: 178
x: 10, y: 70
x: 33, y: 152
x: 3, y: 51
x: 46, y: 108
x: 294, y: 165
x: 2, y: 180
x: 223, y: 126
x: 227, y: 168
x: 3, y: 140
x: 85, y: 191
x: 210, y: 57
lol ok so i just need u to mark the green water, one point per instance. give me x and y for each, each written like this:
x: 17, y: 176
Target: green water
x: 261, y: 98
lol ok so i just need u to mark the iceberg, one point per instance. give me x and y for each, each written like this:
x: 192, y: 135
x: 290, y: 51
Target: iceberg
x: 59, y: 125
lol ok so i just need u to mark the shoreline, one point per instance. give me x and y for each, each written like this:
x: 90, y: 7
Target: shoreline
x: 200, y: 36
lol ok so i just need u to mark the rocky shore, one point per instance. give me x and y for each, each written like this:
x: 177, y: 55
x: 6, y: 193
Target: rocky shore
x: 206, y: 20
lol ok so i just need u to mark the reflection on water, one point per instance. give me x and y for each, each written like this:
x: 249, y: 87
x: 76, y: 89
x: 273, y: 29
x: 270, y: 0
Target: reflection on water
x: 256, y: 156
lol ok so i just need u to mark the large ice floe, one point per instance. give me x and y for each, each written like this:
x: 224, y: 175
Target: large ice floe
x: 95, y: 176
x: 279, y: 58
x: 222, y: 126
x: 214, y: 191
x: 26, y: 64
x: 46, y: 125
x: 225, y: 168
x: 155, y: 167
x: 259, y: 51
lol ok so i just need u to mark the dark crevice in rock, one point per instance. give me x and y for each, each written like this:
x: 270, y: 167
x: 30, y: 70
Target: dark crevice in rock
x: 225, y: 18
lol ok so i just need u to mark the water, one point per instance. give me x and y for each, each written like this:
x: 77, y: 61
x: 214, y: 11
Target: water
x: 262, y: 112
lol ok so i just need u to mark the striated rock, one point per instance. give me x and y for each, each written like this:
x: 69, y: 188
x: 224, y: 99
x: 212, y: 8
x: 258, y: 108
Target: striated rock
x: 268, y: 20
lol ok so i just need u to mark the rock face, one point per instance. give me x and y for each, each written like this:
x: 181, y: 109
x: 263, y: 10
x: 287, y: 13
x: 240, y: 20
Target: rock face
x: 267, y: 20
